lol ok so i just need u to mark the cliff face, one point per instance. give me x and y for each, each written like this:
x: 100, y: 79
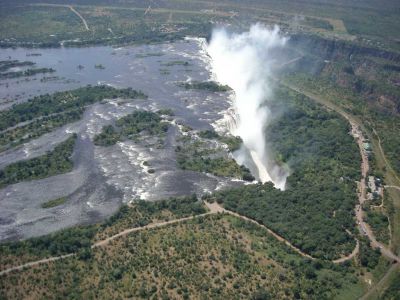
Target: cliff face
x: 332, y: 49
x: 371, y: 73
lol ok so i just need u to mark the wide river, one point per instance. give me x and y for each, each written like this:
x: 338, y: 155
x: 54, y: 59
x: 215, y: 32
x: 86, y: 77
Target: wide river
x: 105, y: 177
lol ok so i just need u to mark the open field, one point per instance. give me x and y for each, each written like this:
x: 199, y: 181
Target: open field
x: 107, y: 22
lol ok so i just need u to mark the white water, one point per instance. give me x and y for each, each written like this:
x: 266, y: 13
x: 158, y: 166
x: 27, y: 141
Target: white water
x: 244, y: 62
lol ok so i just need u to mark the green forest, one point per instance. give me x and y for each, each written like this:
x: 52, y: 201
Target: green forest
x: 318, y: 202
x: 44, y: 113
x: 5, y: 65
x: 210, y: 257
x: 202, y: 156
x: 343, y: 54
x: 45, y: 105
x: 28, y: 72
x: 74, y: 239
x: 54, y: 162
x: 211, y: 86
x: 130, y: 126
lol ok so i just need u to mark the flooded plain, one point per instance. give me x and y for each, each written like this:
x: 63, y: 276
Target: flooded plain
x: 105, y: 177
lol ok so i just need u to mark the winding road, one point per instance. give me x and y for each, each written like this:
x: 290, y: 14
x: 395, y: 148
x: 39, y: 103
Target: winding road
x: 66, y: 6
x: 79, y: 15
x: 357, y: 134
x: 214, y: 208
x: 392, y: 187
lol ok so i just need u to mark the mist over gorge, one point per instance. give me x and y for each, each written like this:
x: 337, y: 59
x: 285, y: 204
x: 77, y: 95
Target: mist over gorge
x: 245, y: 62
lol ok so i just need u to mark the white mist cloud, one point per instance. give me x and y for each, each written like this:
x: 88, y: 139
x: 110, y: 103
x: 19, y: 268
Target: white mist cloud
x: 244, y: 62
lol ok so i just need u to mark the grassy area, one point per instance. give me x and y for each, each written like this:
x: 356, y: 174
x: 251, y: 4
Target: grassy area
x: 387, y: 287
x: 54, y: 203
x: 392, y: 203
x: 393, y: 289
x: 133, y: 21
x: 37, y: 25
x: 57, y: 24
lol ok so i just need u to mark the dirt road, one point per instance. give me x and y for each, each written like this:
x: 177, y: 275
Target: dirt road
x: 275, y: 235
x: 80, y: 16
x: 66, y: 6
x: 35, y: 263
x: 357, y: 134
x: 214, y: 208
x: 392, y: 187
x: 381, y: 283
x: 350, y: 256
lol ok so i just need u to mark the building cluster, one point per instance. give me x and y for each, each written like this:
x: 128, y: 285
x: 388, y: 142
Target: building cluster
x: 375, y: 188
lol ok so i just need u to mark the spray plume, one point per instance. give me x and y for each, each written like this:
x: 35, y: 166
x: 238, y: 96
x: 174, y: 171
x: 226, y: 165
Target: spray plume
x: 244, y: 62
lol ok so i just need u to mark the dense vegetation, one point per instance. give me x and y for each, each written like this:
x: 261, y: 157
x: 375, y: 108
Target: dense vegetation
x: 318, y: 203
x: 212, y: 257
x: 312, y: 213
x: 208, y: 157
x: 54, y: 202
x: 368, y: 257
x: 379, y: 223
x: 28, y: 72
x: 218, y: 166
x: 211, y: 86
x: 77, y: 238
x: 46, y: 105
x: 54, y: 162
x: 23, y: 133
x: 5, y: 65
x: 233, y: 142
x: 130, y: 126
x: 363, y: 83
x: 393, y: 291
x: 145, y: 212
x: 371, y: 95
x: 44, y: 113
